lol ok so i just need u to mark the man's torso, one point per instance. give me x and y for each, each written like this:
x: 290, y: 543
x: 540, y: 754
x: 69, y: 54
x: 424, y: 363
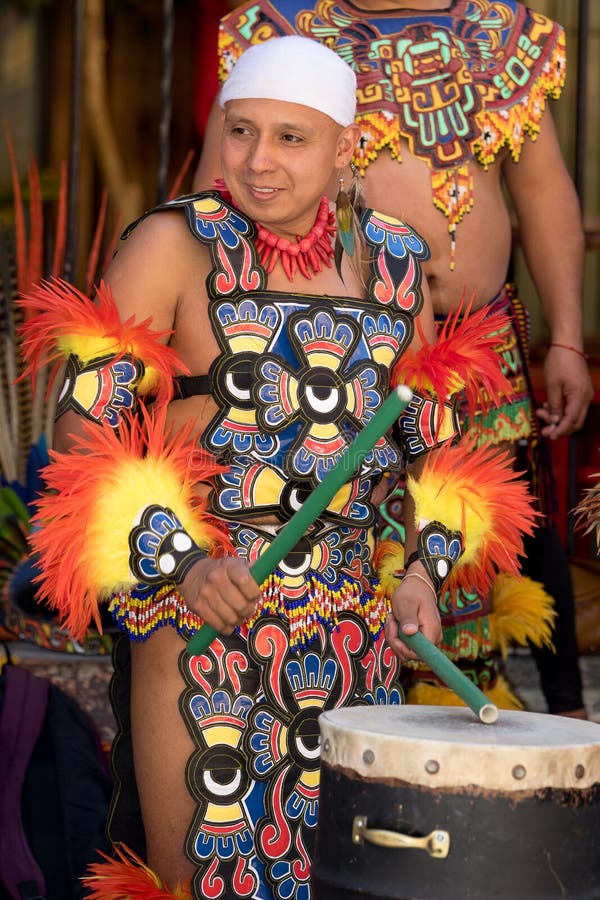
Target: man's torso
x: 445, y: 97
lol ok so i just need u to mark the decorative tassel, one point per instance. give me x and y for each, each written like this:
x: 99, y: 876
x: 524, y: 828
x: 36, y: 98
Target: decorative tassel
x: 128, y: 878
x: 320, y: 605
x: 345, y: 219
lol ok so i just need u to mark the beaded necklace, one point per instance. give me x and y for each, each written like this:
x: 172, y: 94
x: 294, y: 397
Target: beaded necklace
x: 307, y: 255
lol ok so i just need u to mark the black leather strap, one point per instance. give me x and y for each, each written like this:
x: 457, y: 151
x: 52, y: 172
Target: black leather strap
x: 414, y: 556
x: 191, y: 386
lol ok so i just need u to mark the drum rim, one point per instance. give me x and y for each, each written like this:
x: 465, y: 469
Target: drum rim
x: 349, y: 740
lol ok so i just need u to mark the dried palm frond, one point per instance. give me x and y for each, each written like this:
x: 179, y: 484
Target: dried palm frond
x: 32, y: 249
x: 587, y: 511
x: 27, y: 410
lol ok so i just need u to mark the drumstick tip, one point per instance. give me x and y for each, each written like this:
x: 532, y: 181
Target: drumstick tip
x: 488, y: 713
x: 404, y: 392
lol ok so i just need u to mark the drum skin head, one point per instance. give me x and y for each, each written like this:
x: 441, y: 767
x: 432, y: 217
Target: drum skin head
x: 441, y: 746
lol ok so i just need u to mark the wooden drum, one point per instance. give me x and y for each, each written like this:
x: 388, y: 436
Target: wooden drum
x: 427, y: 803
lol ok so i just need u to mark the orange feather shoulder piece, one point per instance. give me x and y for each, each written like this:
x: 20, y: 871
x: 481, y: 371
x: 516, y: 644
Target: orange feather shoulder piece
x: 97, y: 492
x: 128, y: 878
x: 476, y: 491
x: 60, y: 321
x: 462, y: 359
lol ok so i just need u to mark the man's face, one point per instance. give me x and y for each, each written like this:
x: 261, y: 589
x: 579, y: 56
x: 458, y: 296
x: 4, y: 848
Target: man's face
x: 277, y: 160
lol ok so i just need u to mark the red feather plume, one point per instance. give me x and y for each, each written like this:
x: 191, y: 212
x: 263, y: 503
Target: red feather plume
x: 463, y: 358
x: 128, y: 878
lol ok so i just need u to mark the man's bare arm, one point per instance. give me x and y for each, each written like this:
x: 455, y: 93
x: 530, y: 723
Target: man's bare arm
x: 551, y: 235
x: 140, y: 288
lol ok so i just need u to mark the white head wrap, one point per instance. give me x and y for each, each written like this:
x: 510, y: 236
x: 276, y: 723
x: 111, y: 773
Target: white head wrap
x: 296, y: 70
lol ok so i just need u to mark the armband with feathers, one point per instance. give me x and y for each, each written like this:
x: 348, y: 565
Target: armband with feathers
x: 122, y: 509
x: 472, y: 511
x: 109, y: 363
x: 462, y: 361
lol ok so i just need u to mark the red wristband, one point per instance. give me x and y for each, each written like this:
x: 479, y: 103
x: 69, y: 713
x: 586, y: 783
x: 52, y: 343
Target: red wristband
x: 572, y: 349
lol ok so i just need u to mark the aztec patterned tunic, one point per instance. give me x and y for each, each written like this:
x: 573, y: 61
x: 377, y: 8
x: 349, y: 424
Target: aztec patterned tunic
x: 297, y: 377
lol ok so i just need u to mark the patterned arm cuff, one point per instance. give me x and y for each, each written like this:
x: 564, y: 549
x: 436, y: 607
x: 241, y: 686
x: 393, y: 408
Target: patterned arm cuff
x: 100, y: 390
x: 439, y: 549
x: 109, y: 361
x: 161, y: 554
x: 160, y: 548
x: 425, y: 424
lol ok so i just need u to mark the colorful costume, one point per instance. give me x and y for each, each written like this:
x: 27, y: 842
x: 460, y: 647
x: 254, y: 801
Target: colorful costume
x: 459, y: 85
x: 512, y: 420
x: 297, y: 377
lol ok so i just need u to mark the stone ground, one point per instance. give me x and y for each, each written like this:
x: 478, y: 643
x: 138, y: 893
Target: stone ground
x: 522, y: 673
x: 87, y: 679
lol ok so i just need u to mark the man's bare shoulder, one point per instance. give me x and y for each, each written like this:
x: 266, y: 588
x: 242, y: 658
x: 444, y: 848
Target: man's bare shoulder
x: 161, y: 232
x: 157, y: 264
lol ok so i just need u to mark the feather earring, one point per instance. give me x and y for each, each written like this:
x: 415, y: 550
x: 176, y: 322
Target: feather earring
x: 345, y: 219
x: 355, y: 193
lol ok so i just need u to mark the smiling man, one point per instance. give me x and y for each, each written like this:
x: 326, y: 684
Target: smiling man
x: 289, y: 316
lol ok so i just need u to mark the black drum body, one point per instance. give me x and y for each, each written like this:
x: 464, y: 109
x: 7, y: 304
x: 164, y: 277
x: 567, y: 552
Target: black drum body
x: 427, y: 803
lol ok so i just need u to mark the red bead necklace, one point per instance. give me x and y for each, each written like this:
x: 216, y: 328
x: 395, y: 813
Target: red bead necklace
x: 307, y: 255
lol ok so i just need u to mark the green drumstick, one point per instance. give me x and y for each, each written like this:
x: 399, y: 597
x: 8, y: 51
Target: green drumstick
x: 312, y: 507
x: 452, y: 676
x: 317, y: 501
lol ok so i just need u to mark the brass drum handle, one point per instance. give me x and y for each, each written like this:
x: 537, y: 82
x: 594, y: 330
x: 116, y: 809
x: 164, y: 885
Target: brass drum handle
x: 437, y: 844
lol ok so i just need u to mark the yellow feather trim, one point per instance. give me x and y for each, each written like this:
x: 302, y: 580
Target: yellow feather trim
x: 96, y: 494
x: 133, y: 485
x: 522, y: 611
x: 476, y: 492
x: 425, y: 694
x: 388, y: 562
